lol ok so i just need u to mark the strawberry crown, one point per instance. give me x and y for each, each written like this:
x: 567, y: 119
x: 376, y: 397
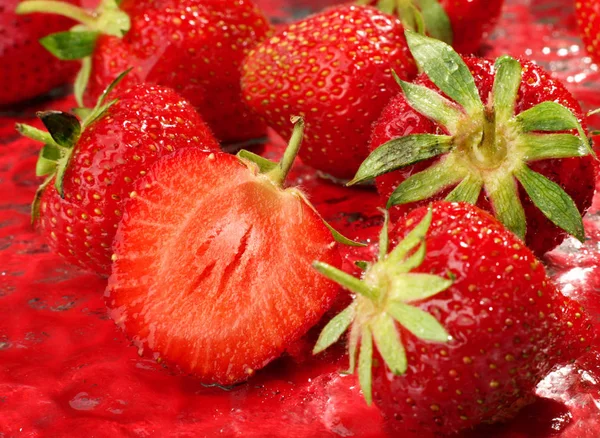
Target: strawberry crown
x: 80, y: 41
x: 277, y: 172
x: 63, y: 133
x: 424, y: 16
x: 488, y: 146
x: 383, y: 300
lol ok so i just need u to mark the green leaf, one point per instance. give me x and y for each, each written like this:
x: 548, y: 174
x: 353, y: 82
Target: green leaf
x: 335, y: 328
x: 506, y: 88
x: 113, y: 21
x: 35, y: 134
x: 61, y: 168
x: 415, y: 237
x: 400, y: 152
x: 419, y: 323
x: 362, y: 265
x: 544, y: 146
x: 437, y: 22
x: 365, y: 364
x: 47, y: 160
x: 264, y: 165
x: 547, y: 116
x: 35, y: 205
x: 389, y: 344
x: 386, y: 6
x: 63, y: 127
x: 416, y: 286
x: 552, y: 117
x: 447, y: 70
x: 347, y: 281
x: 467, y: 191
x: 552, y: 200
x: 506, y: 203
x: 432, y: 105
x: 71, y: 45
x: 384, y: 239
x: 427, y: 183
x: 81, y: 82
x: 412, y: 262
x: 353, y: 346
x: 111, y: 87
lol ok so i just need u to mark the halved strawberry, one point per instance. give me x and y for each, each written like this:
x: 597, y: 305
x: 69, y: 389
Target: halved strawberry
x: 212, y: 262
x: 505, y: 136
x: 91, y: 164
x: 456, y: 324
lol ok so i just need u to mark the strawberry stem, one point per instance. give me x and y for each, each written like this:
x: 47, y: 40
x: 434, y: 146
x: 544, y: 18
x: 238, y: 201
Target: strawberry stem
x: 279, y: 174
x: 57, y: 7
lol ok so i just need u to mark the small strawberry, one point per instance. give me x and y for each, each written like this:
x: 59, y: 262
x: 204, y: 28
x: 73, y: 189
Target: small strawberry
x: 456, y: 325
x: 212, y: 261
x: 335, y: 70
x: 464, y: 24
x: 505, y: 136
x: 91, y: 166
x: 588, y: 20
x: 193, y: 46
x: 26, y: 69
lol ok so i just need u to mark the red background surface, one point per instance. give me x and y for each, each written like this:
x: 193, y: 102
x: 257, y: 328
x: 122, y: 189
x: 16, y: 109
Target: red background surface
x: 66, y: 371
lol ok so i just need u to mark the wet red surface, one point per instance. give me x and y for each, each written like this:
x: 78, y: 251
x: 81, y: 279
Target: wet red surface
x: 66, y: 371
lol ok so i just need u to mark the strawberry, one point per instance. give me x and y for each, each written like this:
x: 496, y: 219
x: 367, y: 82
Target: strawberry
x: 505, y: 136
x: 464, y: 321
x: 462, y: 23
x: 92, y: 166
x: 23, y: 60
x: 588, y: 21
x: 335, y: 70
x: 192, y: 46
x: 212, y: 261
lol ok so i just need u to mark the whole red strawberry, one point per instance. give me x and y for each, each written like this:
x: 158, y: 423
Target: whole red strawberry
x: 212, y: 263
x: 505, y: 136
x: 456, y: 325
x: 588, y: 20
x: 26, y: 68
x: 462, y: 23
x: 335, y: 70
x: 193, y: 46
x: 92, y: 167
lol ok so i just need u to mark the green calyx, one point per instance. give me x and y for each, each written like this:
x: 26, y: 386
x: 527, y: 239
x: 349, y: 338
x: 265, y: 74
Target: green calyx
x: 276, y: 173
x: 60, y: 139
x: 80, y: 41
x: 487, y: 147
x: 423, y: 16
x: 384, y: 299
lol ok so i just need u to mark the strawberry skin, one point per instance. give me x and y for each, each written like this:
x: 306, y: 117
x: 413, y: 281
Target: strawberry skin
x: 335, y: 70
x: 588, y: 21
x: 472, y: 21
x: 193, y: 46
x: 461, y: 320
x: 399, y: 119
x: 212, y: 266
x: 508, y: 322
x: 26, y: 68
x: 146, y: 123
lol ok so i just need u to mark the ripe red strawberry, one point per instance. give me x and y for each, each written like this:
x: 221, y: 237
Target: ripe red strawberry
x: 212, y: 263
x: 462, y: 23
x: 335, y: 70
x: 92, y: 168
x: 26, y: 68
x: 193, y: 46
x: 588, y: 20
x: 505, y: 136
x: 464, y: 322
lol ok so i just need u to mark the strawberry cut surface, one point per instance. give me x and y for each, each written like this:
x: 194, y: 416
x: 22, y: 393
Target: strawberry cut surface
x: 66, y: 370
x: 221, y: 283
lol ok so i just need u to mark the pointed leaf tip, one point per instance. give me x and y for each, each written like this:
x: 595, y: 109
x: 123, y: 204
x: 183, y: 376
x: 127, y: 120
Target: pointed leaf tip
x: 335, y: 328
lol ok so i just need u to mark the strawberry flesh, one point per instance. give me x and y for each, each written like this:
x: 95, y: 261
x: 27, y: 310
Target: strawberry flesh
x: 212, y: 266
